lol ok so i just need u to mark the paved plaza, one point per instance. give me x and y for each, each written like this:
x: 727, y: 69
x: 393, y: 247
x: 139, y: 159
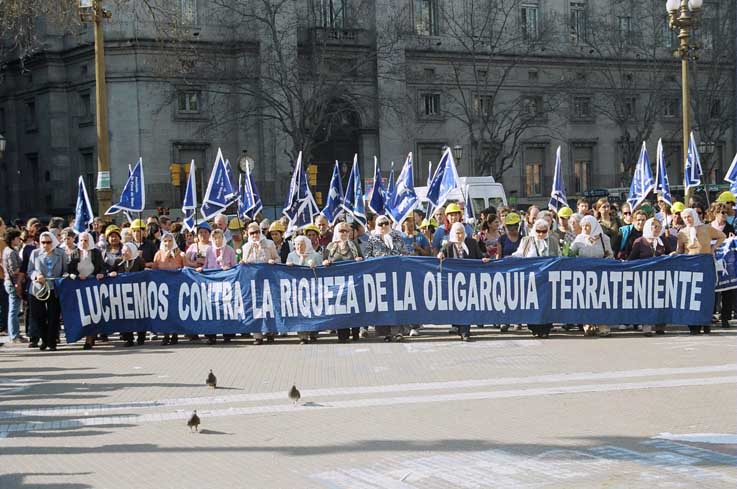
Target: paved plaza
x: 504, y: 411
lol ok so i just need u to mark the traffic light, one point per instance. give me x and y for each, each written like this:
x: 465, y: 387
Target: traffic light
x: 175, y: 170
x: 312, y: 174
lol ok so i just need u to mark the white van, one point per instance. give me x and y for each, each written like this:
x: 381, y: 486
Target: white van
x: 483, y: 192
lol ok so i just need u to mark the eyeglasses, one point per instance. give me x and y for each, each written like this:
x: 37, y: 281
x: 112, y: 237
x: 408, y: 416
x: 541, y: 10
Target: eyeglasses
x: 342, y: 230
x: 627, y: 213
x: 383, y: 223
x: 541, y: 231
x: 724, y: 213
x: 252, y: 233
x: 45, y: 242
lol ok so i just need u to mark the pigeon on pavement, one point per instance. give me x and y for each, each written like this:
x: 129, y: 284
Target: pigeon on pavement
x: 211, y: 381
x: 294, y: 394
x: 194, y: 421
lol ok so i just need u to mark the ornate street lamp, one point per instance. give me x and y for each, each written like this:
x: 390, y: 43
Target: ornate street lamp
x: 245, y: 161
x: 684, y: 17
x: 91, y: 11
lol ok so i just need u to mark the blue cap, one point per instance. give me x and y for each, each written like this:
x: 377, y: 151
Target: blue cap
x: 204, y: 225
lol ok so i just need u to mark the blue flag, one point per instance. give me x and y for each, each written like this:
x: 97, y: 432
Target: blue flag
x: 662, y: 187
x: 558, y: 194
x: 353, y: 200
x: 389, y: 187
x: 404, y: 197
x: 469, y: 215
x: 231, y: 181
x: 300, y: 207
x: 377, y: 200
x: 249, y: 200
x: 189, y: 205
x: 444, y: 181
x: 219, y: 193
x: 83, y: 212
x: 692, y: 172
x: 642, y: 181
x: 333, y: 207
x: 133, y: 196
x: 731, y: 176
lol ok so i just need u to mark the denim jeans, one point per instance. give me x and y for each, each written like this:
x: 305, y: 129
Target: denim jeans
x: 13, y: 310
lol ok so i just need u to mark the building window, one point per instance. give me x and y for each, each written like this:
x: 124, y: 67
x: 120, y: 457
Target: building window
x: 427, y: 153
x: 430, y: 104
x: 188, y: 11
x: 331, y: 13
x: 671, y: 107
x: 582, y: 108
x: 85, y: 107
x: 529, y: 20
x: 188, y: 102
x: 533, y: 179
x: 426, y: 17
x: 624, y: 30
x: 532, y: 106
x: 88, y: 169
x: 31, y: 120
x: 533, y: 75
x: 483, y: 105
x: 428, y: 73
x: 578, y: 21
x: 582, y: 164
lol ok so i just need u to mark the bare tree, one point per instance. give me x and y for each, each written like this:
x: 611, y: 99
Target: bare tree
x: 712, y: 76
x: 492, y: 37
x: 632, y: 69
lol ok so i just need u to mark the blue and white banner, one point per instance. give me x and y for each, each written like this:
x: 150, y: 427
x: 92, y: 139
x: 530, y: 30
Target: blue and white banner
x: 353, y: 202
x: 393, y: 291
x: 725, y: 258
x: 558, y: 193
x: 642, y: 180
x: 220, y: 193
x: 403, y: 195
x: 692, y: 171
x: 662, y: 186
x: 189, y: 204
x: 133, y: 196
x: 444, y: 181
x: 377, y: 200
x: 249, y: 200
x: 333, y: 209
x: 83, y: 215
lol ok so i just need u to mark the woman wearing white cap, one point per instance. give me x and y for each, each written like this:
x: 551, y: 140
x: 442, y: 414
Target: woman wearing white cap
x: 129, y: 262
x: 592, y: 243
x: 694, y: 239
x: 86, y: 261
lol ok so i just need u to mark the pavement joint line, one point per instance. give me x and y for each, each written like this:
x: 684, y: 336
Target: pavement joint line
x: 377, y: 402
x: 361, y: 390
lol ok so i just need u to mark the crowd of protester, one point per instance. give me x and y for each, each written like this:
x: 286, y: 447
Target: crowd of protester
x: 34, y: 254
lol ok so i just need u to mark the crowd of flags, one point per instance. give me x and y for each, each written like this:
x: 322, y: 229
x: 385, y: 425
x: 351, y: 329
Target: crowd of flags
x: 396, y: 199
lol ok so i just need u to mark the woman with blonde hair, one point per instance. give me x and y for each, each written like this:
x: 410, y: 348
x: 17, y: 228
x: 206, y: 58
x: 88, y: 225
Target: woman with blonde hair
x: 169, y: 257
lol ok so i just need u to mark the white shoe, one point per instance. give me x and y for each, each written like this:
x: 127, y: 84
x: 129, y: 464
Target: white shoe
x: 364, y: 333
x: 414, y: 332
x: 604, y: 331
x: 622, y: 327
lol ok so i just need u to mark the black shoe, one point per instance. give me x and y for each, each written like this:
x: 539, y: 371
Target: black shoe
x: 87, y: 346
x: 102, y: 337
x: 211, y: 341
x: 128, y: 343
x: 33, y: 344
x: 141, y: 341
x: 258, y: 341
x: 707, y: 329
x: 270, y: 339
x: 226, y: 340
x: 174, y: 340
x: 52, y: 348
x: 387, y: 339
x: 165, y: 342
x: 42, y: 347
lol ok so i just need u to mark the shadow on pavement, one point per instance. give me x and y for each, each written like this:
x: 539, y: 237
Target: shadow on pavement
x: 18, y: 481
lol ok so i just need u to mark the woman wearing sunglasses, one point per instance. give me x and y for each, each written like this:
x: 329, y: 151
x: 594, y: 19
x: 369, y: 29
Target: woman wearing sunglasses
x: 44, y: 265
x: 258, y: 249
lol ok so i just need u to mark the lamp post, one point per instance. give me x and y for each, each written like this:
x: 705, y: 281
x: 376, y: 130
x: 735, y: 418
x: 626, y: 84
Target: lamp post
x: 91, y: 11
x: 458, y: 152
x: 684, y: 17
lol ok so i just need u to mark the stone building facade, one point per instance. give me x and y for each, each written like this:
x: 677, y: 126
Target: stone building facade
x: 439, y: 72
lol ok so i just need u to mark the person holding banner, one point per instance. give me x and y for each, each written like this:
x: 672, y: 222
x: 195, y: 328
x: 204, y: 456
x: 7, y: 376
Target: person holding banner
x: 510, y: 240
x: 114, y: 249
x: 460, y: 245
x: 385, y: 241
x: 719, y: 214
x: 609, y: 223
x: 415, y: 241
x: 592, y: 243
x: 44, y: 265
x: 304, y: 256
x: 453, y: 214
x: 236, y: 238
x: 146, y: 247
x: 276, y: 232
x: 342, y: 248
x: 86, y: 261
x: 313, y: 233
x: 130, y: 261
x: 168, y: 258
x: 197, y: 253
x: 258, y: 249
x: 694, y: 239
